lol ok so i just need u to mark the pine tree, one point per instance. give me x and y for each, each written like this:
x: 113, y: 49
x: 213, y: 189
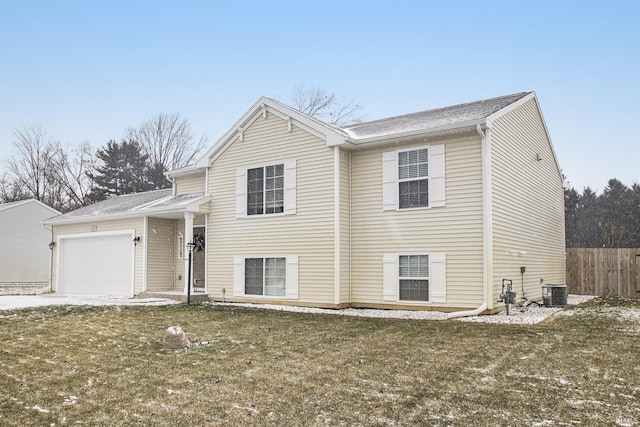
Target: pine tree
x: 124, y: 170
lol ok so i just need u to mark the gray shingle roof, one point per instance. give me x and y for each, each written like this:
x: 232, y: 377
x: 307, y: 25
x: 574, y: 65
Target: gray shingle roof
x: 115, y: 205
x: 432, y: 119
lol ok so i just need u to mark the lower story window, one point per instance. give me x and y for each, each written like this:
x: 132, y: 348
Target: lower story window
x: 414, y: 277
x: 265, y: 276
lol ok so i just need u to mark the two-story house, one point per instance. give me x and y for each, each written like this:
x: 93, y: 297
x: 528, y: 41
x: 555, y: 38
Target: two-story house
x: 429, y: 210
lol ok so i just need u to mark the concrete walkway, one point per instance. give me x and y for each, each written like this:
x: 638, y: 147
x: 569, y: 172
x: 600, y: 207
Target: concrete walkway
x: 10, y: 302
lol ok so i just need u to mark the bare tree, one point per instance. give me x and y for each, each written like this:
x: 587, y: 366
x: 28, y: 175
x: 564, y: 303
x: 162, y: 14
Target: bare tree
x: 10, y: 190
x: 45, y: 170
x: 73, y: 173
x: 168, y: 140
x: 31, y: 167
x: 320, y: 103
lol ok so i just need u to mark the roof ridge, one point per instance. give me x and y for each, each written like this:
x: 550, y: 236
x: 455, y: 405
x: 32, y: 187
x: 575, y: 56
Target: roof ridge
x: 518, y: 94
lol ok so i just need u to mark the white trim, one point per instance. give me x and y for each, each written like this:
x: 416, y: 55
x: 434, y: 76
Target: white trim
x: 328, y: 133
x: 289, y: 189
x: 188, y: 231
x: 487, y: 216
x: 470, y: 125
x: 509, y: 108
x: 206, y: 181
x: 336, y: 224
x: 60, y: 249
x: 156, y: 212
x: 145, y: 236
x: 206, y: 253
x: 180, y: 254
x: 291, y: 277
x: 436, y: 177
x: 437, y: 277
x: 10, y: 205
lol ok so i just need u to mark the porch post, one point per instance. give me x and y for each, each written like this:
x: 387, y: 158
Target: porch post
x: 188, y: 237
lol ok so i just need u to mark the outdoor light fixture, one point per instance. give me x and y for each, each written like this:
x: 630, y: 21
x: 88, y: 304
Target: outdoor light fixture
x: 190, y: 247
x: 136, y: 240
x: 52, y: 245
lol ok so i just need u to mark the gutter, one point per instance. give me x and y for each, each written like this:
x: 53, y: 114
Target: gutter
x: 487, y: 229
x: 470, y: 125
x: 190, y: 207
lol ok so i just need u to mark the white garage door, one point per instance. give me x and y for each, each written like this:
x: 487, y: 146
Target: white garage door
x: 97, y: 265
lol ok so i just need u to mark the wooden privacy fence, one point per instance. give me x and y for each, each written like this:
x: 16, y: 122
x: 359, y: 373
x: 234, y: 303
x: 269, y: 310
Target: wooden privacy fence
x: 603, y: 272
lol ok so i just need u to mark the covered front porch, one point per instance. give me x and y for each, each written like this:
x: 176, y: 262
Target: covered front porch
x: 175, y: 231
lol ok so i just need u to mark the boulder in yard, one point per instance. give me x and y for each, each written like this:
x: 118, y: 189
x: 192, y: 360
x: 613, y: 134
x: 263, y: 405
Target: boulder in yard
x: 175, y: 338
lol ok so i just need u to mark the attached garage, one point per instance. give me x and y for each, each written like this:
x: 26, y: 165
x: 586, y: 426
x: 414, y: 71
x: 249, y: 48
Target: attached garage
x: 97, y: 264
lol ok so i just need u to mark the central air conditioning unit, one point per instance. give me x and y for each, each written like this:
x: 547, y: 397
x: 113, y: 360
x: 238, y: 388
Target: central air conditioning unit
x: 554, y: 295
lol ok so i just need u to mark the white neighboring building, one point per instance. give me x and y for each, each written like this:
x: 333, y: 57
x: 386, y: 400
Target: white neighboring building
x: 24, y: 247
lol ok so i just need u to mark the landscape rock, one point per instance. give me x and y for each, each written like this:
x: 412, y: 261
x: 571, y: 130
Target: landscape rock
x: 175, y: 338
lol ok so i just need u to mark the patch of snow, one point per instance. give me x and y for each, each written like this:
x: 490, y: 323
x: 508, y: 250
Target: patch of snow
x: 246, y: 408
x: 12, y: 302
x: 71, y: 400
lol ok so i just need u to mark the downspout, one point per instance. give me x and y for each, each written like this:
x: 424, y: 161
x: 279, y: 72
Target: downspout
x: 487, y: 238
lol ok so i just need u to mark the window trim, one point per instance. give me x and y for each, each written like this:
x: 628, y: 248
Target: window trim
x: 180, y: 246
x: 436, y: 162
x: 289, y: 190
x: 264, y: 189
x: 264, y: 276
x: 437, y: 277
x: 427, y: 278
x: 422, y: 178
x: 291, y: 277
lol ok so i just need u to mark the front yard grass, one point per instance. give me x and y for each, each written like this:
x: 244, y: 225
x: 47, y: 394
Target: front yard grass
x: 106, y: 366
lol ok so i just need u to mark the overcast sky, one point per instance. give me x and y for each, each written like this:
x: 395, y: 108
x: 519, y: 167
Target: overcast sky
x: 86, y: 70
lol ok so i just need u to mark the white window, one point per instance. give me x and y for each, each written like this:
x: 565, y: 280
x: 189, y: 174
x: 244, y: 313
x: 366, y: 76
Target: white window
x: 414, y: 277
x: 413, y: 178
x: 266, y: 276
x: 180, y: 246
x: 266, y: 189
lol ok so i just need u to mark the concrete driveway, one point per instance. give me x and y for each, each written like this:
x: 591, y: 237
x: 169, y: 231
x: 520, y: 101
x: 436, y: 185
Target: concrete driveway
x: 10, y: 302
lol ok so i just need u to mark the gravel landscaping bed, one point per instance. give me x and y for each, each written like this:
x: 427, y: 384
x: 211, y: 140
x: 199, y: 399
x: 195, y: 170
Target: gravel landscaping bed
x: 518, y: 315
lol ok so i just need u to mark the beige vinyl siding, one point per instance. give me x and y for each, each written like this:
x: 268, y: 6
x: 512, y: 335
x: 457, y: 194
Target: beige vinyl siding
x: 189, y: 184
x: 345, y: 227
x: 116, y: 225
x: 455, y: 229
x: 528, y: 203
x: 161, y: 252
x: 309, y: 233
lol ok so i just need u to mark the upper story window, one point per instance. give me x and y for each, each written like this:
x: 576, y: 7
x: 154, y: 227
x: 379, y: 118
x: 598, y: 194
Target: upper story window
x: 265, y: 190
x: 268, y: 189
x: 413, y: 179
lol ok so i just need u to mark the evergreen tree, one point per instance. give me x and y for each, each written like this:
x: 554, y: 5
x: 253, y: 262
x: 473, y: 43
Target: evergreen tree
x: 616, y: 215
x: 571, y: 203
x: 587, y: 220
x: 124, y: 170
